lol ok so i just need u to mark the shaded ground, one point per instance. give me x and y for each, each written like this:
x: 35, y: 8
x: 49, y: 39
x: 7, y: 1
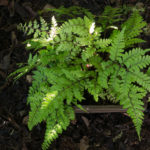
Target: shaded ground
x: 88, y: 131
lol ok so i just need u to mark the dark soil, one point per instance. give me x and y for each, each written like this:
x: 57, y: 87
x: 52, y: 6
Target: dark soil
x: 109, y: 131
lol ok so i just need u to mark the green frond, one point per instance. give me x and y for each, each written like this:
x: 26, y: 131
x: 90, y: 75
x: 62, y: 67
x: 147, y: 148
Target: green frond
x: 44, y: 25
x: 40, y: 104
x: 53, y: 129
x: 50, y: 133
x: 114, y: 81
x: 32, y: 63
x: 118, y: 46
x: 133, y: 41
x: 134, y: 26
x: 77, y: 26
x: 104, y: 74
x: 132, y: 102
x: 132, y: 54
x: 96, y: 61
x: 20, y: 72
x: 87, y: 53
x: 111, y: 96
x: 102, y: 43
x: 139, y: 63
x: 78, y: 93
x: 110, y: 16
x: 94, y: 89
x: 135, y: 59
x: 142, y: 79
x: 69, y: 95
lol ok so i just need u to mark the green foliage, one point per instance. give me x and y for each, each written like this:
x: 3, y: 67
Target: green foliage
x: 134, y: 27
x: 76, y: 56
x: 32, y: 62
x: 110, y: 16
x: 38, y: 30
x: 63, y: 13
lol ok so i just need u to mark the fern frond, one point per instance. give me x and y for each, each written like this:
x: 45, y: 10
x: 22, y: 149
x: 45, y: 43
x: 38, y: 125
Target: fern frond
x: 118, y: 46
x: 102, y: 43
x: 32, y: 63
x: 132, y: 54
x: 127, y: 72
x: 139, y: 63
x: 53, y: 129
x: 132, y: 102
x: 87, y: 53
x: 110, y: 16
x: 50, y: 133
x: 129, y: 96
x: 104, y: 73
x: 133, y: 41
x: 134, y: 26
x: 142, y: 79
x: 77, y: 26
x: 135, y: 59
x: 94, y: 89
x: 38, y: 107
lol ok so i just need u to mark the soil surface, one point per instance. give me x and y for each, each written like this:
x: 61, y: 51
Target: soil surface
x: 109, y: 131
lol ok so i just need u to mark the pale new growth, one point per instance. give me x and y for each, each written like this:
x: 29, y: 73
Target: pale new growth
x: 92, y: 28
x: 48, y: 98
x: 53, y: 29
x: 28, y: 45
x: 113, y: 27
x: 54, y: 22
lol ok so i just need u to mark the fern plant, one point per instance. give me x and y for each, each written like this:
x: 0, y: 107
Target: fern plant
x: 76, y: 57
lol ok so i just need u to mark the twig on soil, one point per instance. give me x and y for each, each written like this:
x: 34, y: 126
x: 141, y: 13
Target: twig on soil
x: 9, y: 118
x: 100, y: 109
